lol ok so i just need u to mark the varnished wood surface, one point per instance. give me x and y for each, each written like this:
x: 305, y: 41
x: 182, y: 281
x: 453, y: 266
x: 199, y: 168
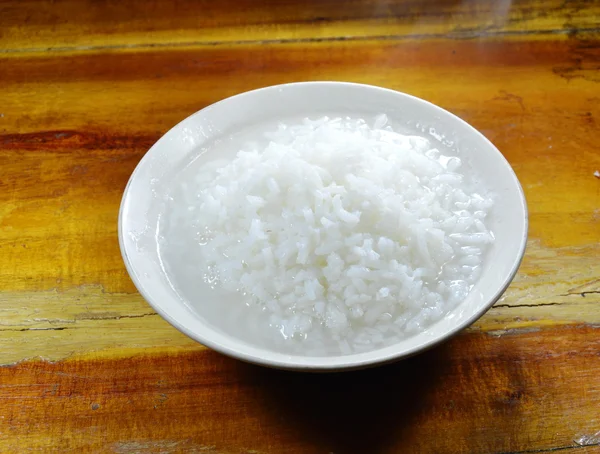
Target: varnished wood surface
x: 64, y: 24
x: 473, y: 394
x: 86, y: 87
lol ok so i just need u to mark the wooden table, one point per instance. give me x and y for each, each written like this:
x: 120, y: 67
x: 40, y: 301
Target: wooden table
x: 87, y: 86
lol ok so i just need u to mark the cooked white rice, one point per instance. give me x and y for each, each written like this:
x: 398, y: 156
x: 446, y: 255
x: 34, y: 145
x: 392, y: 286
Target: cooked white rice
x: 344, y: 236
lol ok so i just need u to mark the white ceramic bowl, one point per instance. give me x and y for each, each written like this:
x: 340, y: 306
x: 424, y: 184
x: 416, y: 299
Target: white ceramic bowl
x: 138, y: 217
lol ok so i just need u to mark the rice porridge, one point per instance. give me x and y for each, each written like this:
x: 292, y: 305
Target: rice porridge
x: 324, y: 236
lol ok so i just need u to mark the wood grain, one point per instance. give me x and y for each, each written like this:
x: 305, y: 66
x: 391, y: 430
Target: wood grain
x: 67, y: 24
x: 60, y: 323
x: 86, y: 87
x: 476, y: 394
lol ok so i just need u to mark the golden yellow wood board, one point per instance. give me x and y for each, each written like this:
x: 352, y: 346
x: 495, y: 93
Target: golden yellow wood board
x: 86, y: 87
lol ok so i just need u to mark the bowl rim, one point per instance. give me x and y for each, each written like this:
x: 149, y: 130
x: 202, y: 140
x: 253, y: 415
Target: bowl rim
x: 326, y: 363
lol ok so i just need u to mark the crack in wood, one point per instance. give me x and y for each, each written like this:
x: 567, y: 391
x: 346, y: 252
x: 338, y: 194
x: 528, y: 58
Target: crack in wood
x: 457, y: 35
x: 582, y: 294
x: 555, y: 449
x: 73, y: 322
x: 527, y: 305
x: 61, y: 328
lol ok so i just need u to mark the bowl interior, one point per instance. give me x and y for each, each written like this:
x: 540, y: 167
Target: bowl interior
x: 139, y: 214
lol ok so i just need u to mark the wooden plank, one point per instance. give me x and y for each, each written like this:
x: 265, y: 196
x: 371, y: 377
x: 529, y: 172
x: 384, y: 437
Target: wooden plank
x: 65, y: 322
x: 67, y: 24
x: 199, y: 75
x: 475, y: 394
